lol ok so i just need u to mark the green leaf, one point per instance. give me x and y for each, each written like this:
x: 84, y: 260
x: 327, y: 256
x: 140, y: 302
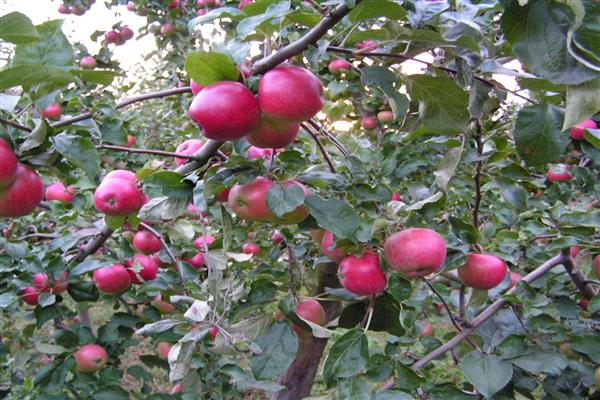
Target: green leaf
x: 221, y: 12
x: 537, y: 33
x: 112, y: 392
x: 541, y: 361
x: 48, y: 348
x: 513, y: 193
x: 29, y: 75
x: 98, y: 76
x: 282, y: 199
x: 53, y: 49
x: 592, y: 136
x: 244, y: 382
x: 375, y: 9
x: 446, y: 103
x: 583, y: 101
x: 392, y: 395
x: 348, y: 356
x: 279, y: 349
x: 334, y: 215
x: 18, y: 29
x: 353, y: 388
x: 399, y: 287
x: 486, y: 372
x: 157, y: 327
x: 385, y: 80
x: 163, y: 208
x: 79, y: 151
x: 36, y: 137
x: 170, y: 184
x: 52, y: 377
x: 588, y: 345
x: 537, y: 133
x: 447, y: 166
x: 273, y: 11
x: 83, y: 291
x: 210, y: 67
x: 364, y: 193
x: 87, y: 266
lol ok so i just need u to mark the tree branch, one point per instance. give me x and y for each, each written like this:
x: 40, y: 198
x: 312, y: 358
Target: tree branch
x: 145, y: 151
x: 308, y: 128
x: 578, y: 279
x: 166, y: 247
x: 93, y: 245
x: 15, y: 125
x: 208, y: 149
x: 321, y: 129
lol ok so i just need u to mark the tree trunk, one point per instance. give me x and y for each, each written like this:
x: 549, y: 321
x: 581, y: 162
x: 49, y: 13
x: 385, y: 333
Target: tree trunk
x: 300, y: 375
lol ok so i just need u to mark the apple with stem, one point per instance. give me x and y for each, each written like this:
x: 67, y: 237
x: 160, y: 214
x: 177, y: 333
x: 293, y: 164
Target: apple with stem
x: 90, y: 358
x: 362, y: 275
x: 415, y: 252
x: 482, y: 271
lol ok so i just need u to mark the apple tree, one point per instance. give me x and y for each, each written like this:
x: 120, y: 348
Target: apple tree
x: 346, y: 199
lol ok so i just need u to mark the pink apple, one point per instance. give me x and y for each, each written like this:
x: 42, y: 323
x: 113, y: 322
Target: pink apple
x: 367, y: 46
x: 57, y: 191
x: 167, y: 29
x: 30, y: 295
x: 369, y: 123
x: 53, y: 111
x: 130, y: 6
x: 213, y: 332
x: 112, y: 37
x: 122, y: 174
x: 114, y: 279
x: 163, y: 348
x: 196, y: 87
x: 272, y: 135
x: 204, y: 241
x: 187, y: 148
x: 162, y: 306
x: 277, y: 237
x: 338, y: 65
x: 385, y: 116
x: 256, y: 152
x: 8, y: 164
x: 131, y: 140
x: 574, y: 250
x: 251, y: 248
x: 328, y: 248
x: 362, y: 275
x: 558, y: 173
x: 63, y: 9
x: 578, y: 130
x: 426, y: 331
x: 23, y: 195
x: 90, y: 358
x: 396, y: 196
x: 244, y: 3
x: 482, y: 271
x: 514, y: 278
x: 146, y: 242
x: 125, y: 33
x: 173, y: 4
x: 310, y: 310
x: 117, y: 197
x: 88, y: 63
x: 200, y: 13
x: 196, y: 261
x: 141, y: 268
x: 43, y: 283
x: 415, y: 252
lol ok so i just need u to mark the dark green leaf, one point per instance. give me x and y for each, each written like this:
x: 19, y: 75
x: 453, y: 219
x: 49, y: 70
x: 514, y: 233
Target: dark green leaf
x: 170, y: 184
x: 385, y: 80
x: 353, y: 388
x: 283, y: 199
x: 29, y: 75
x: 101, y: 77
x: 588, y: 345
x: 334, y: 215
x: 163, y: 208
x: 36, y: 137
x: 348, y: 356
x: 279, y: 348
x: 447, y: 166
x: 273, y: 11
x: 112, y: 392
x: 541, y: 361
x: 375, y: 9
x: 83, y: 291
x: 582, y: 101
x: 513, y: 193
x: 486, y: 372
x: 79, y: 151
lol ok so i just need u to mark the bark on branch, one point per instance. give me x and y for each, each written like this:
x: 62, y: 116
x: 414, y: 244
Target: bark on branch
x: 577, y: 277
x: 93, y: 245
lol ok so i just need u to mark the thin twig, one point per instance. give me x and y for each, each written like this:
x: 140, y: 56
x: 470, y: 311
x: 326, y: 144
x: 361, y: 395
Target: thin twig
x: 15, y: 125
x: 461, y: 305
x: 37, y: 235
x: 321, y: 129
x: 166, y: 247
x: 145, y: 151
x: 308, y: 128
x: 578, y: 279
x: 366, y: 321
x: 93, y: 245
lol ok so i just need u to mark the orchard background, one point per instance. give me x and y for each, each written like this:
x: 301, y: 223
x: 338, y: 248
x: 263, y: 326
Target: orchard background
x: 423, y: 233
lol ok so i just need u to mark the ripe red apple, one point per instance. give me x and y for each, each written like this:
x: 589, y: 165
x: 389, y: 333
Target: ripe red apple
x: 90, y: 358
x: 385, y: 116
x: 583, y: 303
x: 251, y: 248
x: 130, y: 6
x: 53, y: 111
x: 574, y: 250
x: 367, y: 46
x: 578, y: 130
x: 196, y: 87
x: 277, y: 237
x: 30, y: 295
x: 369, y: 123
x: 112, y: 37
x: 43, y: 283
x: 8, y: 164
x: 23, y: 195
x: 203, y: 241
x: 596, y: 265
x: 57, y: 191
x: 558, y: 173
x: 164, y: 307
x: 131, y: 140
x: 273, y: 135
x: 482, y: 271
x: 249, y: 202
x: 415, y: 252
x: 88, y: 63
x: 328, y: 248
x: 514, y: 278
x: 187, y: 148
x: 173, y: 4
x: 63, y: 9
x: 362, y: 275
x: 396, y: 196
x: 289, y: 93
x: 141, y: 268
x: 167, y: 29
x: 117, y: 196
x: 244, y: 3
x: 197, y: 261
x: 114, y: 279
x: 338, y: 65
x: 122, y: 174
x: 310, y: 310
x: 213, y: 332
x: 146, y: 242
x: 225, y: 111
x: 125, y: 33
x: 427, y: 330
x: 163, y: 348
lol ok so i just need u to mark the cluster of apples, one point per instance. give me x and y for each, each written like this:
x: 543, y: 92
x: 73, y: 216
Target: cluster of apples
x: 118, y: 278
x: 41, y: 283
x: 561, y: 172
x: 119, y: 35
x: 77, y: 8
x: 21, y: 188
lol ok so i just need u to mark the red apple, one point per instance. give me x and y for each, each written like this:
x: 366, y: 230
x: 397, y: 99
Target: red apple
x: 427, y: 330
x: 256, y: 152
x: 141, y: 268
x: 244, y: 3
x: 574, y: 250
x: 112, y: 37
x: 396, y: 196
x: 369, y: 123
x: 203, y: 241
x: 90, y: 358
x: 30, y: 295
x: 88, y: 63
x: 277, y: 237
x: 57, y: 191
x: 310, y: 310
x: 338, y: 65
x: 173, y: 4
x: 167, y: 29
x: 482, y: 271
x: 596, y: 265
x: 130, y: 6
x: 213, y: 332
x: 328, y: 248
x: 63, y: 9
x: 197, y: 261
x: 146, y: 242
x: 117, y: 196
x: 514, y: 278
x: 42, y: 282
x: 200, y: 13
x: 273, y: 135
x: 558, y: 173
x: 290, y: 94
x: 23, y: 195
x: 122, y: 174
x: 187, y: 148
x: 53, y: 111
x: 367, y: 46
x: 196, y: 87
x: 225, y: 111
x: 125, y: 33
x: 163, y: 307
x: 114, y: 279
x: 583, y: 303
x: 578, y: 130
x: 251, y: 248
x: 415, y: 252
x: 131, y: 140
x: 385, y: 116
x: 8, y: 164
x: 163, y: 348
x: 362, y: 275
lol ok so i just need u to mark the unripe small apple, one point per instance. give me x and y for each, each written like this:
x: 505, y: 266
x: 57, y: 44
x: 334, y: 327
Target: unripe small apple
x: 114, y: 279
x: 196, y: 261
x: 148, y: 270
x: 251, y: 248
x: 167, y: 29
x: 385, y: 116
x: 117, y: 197
x: 362, y: 275
x: 310, y: 310
x: 30, y: 295
x: 8, y: 164
x: 23, y: 195
x: 163, y: 349
x: 53, y: 111
x: 213, y: 332
x: 146, y: 242
x: 203, y: 241
x: 566, y: 349
x: 131, y: 140
x: 415, y: 252
x: 112, y: 37
x: 187, y: 148
x: 338, y: 65
x: 558, y: 173
x: 125, y: 33
x: 90, y: 358
x: 88, y: 63
x: 328, y: 248
x: 57, y: 191
x: 63, y: 9
x: 196, y: 87
x: 367, y: 45
x: 277, y: 237
x: 426, y: 331
x: 482, y: 271
x: 369, y: 123
x: 121, y: 174
x: 577, y: 132
x: 396, y: 196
